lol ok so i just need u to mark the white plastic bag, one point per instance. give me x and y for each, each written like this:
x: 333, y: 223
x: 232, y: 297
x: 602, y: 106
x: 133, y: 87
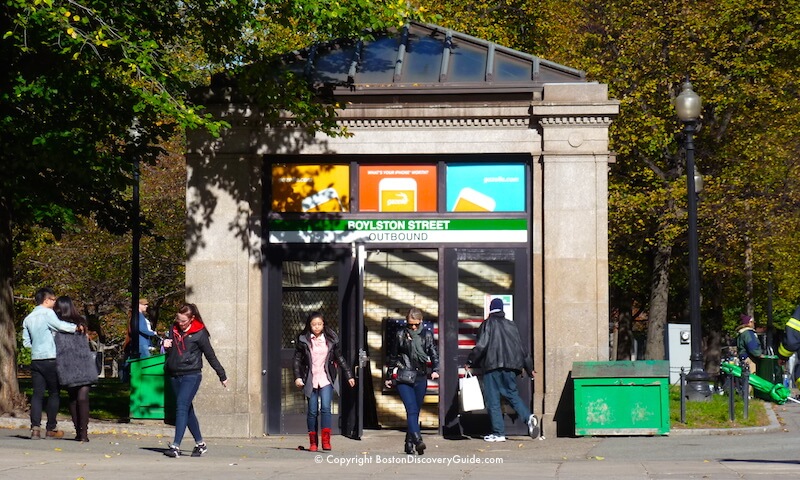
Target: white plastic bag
x: 469, y: 389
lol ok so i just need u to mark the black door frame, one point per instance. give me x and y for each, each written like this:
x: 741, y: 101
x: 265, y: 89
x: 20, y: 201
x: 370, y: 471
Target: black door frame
x: 351, y: 272
x: 276, y: 421
x: 453, y: 424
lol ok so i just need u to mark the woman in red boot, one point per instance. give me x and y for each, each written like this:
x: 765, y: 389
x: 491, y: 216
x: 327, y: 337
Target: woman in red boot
x: 317, y: 353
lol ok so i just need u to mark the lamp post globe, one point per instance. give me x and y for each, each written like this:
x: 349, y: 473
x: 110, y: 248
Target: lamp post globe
x: 688, y: 106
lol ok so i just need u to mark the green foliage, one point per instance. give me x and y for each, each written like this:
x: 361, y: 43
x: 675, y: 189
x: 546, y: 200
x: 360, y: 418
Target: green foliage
x: 744, y: 60
x: 93, y: 266
x: 89, y: 86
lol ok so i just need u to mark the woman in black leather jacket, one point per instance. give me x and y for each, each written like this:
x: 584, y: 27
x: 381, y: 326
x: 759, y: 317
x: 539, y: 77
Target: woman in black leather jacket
x: 413, y: 349
x: 316, y: 357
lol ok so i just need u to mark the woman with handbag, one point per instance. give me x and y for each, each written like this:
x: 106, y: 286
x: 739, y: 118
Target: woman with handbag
x: 75, y: 365
x: 407, y: 369
x: 317, y: 353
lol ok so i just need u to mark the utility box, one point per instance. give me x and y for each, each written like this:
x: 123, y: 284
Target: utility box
x: 679, y: 350
x: 621, y: 398
x: 148, y: 387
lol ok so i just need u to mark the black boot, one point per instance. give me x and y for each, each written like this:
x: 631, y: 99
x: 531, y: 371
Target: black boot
x: 409, y: 447
x: 416, y: 438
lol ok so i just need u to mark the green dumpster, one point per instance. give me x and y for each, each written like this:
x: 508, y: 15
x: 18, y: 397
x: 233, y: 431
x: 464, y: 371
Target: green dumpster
x: 769, y: 370
x: 621, y: 398
x: 148, y: 387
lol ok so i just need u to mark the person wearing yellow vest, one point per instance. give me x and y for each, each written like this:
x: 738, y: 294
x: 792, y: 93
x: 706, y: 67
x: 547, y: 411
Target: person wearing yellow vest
x: 791, y: 338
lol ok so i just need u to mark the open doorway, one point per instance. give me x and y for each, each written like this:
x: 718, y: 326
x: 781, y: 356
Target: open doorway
x: 395, y: 281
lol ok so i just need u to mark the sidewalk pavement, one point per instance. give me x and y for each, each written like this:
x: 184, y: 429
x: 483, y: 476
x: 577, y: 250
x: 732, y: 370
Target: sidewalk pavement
x: 135, y: 451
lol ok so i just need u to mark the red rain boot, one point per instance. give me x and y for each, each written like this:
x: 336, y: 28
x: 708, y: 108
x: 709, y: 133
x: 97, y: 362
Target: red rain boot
x: 312, y: 441
x: 326, y: 438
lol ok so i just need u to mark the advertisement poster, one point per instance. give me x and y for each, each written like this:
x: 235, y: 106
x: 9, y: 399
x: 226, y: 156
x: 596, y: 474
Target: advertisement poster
x: 310, y: 188
x: 486, y: 188
x: 397, y: 188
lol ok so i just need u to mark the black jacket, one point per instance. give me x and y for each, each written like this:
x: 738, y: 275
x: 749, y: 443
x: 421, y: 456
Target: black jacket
x: 301, y: 363
x: 402, y: 345
x: 499, y: 346
x: 185, y: 356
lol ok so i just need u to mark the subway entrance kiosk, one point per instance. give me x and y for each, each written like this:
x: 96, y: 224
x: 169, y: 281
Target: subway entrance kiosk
x: 472, y: 172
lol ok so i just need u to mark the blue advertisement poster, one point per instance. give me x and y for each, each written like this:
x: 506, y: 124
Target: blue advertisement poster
x: 486, y: 188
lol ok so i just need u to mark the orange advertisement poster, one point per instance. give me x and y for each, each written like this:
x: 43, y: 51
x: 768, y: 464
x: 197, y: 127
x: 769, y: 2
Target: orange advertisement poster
x: 310, y: 188
x: 397, y: 188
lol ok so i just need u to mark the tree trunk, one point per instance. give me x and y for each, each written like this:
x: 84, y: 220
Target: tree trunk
x: 625, y: 335
x: 659, y: 294
x: 748, y: 276
x: 712, y: 353
x: 10, y: 398
x: 623, y: 325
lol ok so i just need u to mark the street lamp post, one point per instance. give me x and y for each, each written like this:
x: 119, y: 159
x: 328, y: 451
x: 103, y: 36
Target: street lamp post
x: 136, y: 234
x: 688, y: 105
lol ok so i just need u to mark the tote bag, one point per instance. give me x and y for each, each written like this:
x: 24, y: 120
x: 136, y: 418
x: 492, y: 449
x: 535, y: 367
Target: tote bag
x: 469, y: 389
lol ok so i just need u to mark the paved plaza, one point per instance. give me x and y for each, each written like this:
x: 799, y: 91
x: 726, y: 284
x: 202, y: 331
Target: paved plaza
x: 135, y: 451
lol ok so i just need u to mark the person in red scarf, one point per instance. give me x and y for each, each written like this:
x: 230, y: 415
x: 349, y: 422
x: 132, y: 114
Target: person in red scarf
x: 186, y: 343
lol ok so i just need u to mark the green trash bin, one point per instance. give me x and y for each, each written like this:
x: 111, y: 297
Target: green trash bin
x: 148, y: 387
x: 621, y: 398
x: 768, y: 369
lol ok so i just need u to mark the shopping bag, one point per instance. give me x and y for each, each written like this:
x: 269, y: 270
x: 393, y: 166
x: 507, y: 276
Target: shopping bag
x: 469, y: 390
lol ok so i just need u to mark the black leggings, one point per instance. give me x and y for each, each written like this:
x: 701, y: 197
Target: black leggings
x: 79, y: 407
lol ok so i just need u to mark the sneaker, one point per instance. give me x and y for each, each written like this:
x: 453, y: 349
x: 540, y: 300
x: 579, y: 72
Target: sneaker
x: 533, y: 426
x: 199, y: 449
x: 174, y: 451
x: 495, y: 438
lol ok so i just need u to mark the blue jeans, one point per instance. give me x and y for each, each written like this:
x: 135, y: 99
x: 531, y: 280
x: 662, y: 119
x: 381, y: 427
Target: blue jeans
x: 185, y: 388
x: 412, y: 396
x: 502, y: 382
x: 320, y: 399
x: 44, y: 378
x: 144, y: 346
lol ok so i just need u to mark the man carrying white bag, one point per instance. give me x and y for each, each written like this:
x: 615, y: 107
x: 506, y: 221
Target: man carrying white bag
x: 498, y: 350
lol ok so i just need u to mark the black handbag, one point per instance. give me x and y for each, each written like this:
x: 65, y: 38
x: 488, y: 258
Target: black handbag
x: 407, y: 376
x: 406, y: 373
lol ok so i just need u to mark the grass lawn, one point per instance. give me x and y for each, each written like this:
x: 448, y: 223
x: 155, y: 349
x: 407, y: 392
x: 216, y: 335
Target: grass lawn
x: 108, y: 400
x: 714, y: 413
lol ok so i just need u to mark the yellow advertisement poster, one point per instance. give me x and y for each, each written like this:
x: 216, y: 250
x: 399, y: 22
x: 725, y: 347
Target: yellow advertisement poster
x: 310, y: 188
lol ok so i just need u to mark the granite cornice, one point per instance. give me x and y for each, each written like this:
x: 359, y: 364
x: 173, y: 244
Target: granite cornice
x: 585, y: 121
x: 460, y: 122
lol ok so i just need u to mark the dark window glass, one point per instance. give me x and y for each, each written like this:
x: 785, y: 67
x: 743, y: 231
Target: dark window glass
x: 423, y: 60
x: 467, y: 63
x: 378, y: 59
x: 333, y: 66
x: 509, y: 69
